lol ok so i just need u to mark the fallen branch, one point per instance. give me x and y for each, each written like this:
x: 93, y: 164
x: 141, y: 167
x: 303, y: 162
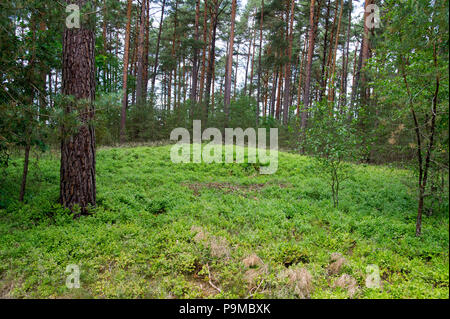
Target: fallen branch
x: 254, y: 290
x: 210, y: 282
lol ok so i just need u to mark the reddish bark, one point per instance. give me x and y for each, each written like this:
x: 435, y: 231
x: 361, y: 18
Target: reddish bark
x: 77, y: 173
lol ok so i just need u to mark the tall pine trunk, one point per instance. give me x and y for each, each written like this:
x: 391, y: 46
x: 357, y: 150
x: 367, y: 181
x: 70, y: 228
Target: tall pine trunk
x: 252, y: 68
x: 212, y: 56
x: 274, y: 91
x: 229, y: 65
x: 193, y: 95
x: 330, y: 55
x: 324, y: 56
x: 158, y: 41
x: 77, y: 173
x: 140, y: 57
x: 249, y: 56
x: 360, y: 79
x: 331, y: 90
x: 205, y: 37
x: 259, y: 61
x: 173, y: 57
x: 311, y: 41
x: 300, y: 80
x: 125, y: 74
x: 287, y: 86
x: 236, y: 72
x: 346, y: 58
x: 146, y: 46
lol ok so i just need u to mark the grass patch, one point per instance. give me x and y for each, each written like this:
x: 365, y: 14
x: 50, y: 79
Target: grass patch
x: 164, y: 230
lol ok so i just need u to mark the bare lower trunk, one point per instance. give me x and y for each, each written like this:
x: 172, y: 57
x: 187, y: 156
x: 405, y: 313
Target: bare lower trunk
x: 229, y: 66
x: 299, y: 89
x: 420, y: 212
x: 210, y: 71
x: 331, y: 89
x: 25, y: 172
x: 311, y: 41
x: 193, y: 95
x: 125, y: 74
x: 259, y: 62
x: 343, y: 101
x: 77, y: 173
x: 360, y: 80
x: 140, y: 57
x: 287, y: 86
x: 274, y: 91
x: 158, y: 41
x: 205, y: 33
x: 249, y: 56
x: 324, y: 56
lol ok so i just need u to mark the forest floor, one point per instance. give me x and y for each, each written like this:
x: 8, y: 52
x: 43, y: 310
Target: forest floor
x: 165, y: 230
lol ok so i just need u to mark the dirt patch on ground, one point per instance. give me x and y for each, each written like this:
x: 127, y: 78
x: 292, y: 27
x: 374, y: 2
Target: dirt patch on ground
x: 200, y: 234
x: 231, y: 188
x: 256, y: 270
x: 218, y: 246
x: 348, y: 283
x: 337, y: 261
x: 252, y: 261
x: 351, y: 248
x: 5, y: 289
x: 300, y: 280
x: 204, y: 286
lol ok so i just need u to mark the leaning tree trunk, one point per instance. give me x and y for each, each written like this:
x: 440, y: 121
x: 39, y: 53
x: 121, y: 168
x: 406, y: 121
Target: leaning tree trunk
x: 25, y: 171
x: 77, y: 173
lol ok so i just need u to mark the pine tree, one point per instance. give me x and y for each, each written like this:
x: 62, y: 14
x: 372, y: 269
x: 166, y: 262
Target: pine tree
x: 77, y: 177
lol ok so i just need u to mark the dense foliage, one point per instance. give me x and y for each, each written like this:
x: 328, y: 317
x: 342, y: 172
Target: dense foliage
x: 346, y: 88
x: 160, y: 226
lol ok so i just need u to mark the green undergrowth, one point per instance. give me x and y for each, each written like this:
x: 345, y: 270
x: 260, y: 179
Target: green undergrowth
x: 165, y: 230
